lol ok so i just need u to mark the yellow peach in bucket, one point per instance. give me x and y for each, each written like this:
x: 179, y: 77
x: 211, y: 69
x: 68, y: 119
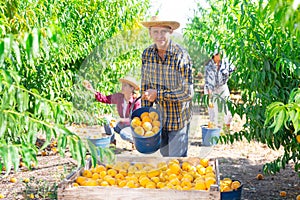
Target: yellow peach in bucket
x: 135, y: 122
x: 139, y: 130
x: 156, y: 123
x: 153, y: 115
x: 147, y: 126
x: 144, y: 114
x: 146, y: 119
x: 155, y: 129
x: 149, y: 133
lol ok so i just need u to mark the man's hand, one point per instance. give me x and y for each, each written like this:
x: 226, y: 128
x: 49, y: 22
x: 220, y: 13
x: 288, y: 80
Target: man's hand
x: 150, y: 95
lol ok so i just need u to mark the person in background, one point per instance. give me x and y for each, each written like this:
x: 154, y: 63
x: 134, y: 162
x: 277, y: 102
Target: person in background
x: 167, y: 81
x: 217, y: 72
x: 124, y: 100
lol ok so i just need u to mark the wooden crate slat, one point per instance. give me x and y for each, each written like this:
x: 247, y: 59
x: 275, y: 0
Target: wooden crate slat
x: 115, y: 193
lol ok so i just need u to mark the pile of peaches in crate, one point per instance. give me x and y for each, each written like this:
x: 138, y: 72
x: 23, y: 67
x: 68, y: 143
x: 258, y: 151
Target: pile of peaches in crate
x: 169, y: 174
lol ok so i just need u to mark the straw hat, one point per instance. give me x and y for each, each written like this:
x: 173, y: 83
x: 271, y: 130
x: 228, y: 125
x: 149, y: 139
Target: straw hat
x: 131, y: 81
x: 155, y: 21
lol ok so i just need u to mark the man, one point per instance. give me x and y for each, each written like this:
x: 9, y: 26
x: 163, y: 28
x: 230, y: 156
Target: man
x: 217, y: 73
x: 167, y: 81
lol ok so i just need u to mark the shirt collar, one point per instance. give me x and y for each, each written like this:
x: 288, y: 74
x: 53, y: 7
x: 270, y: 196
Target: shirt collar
x: 169, y: 50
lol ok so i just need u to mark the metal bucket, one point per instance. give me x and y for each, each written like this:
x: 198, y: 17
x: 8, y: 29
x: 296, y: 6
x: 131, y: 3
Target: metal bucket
x: 146, y: 145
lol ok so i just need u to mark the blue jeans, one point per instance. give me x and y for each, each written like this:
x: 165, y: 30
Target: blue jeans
x: 124, y: 135
x: 175, y: 143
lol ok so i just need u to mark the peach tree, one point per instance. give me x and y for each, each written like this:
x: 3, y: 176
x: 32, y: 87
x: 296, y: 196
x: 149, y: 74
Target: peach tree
x: 42, y: 47
x: 261, y: 38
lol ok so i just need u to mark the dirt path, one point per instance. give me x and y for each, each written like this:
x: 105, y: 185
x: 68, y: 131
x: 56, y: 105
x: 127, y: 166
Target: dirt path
x: 241, y: 161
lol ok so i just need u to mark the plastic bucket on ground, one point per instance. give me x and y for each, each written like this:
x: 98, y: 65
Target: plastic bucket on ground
x: 208, y: 135
x: 146, y: 145
x: 101, y: 142
x: 100, y: 136
x: 232, y: 195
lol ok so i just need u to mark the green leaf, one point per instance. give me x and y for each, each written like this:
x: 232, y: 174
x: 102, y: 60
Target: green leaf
x: 109, y: 155
x: 14, y: 75
x: 6, y: 77
x: 35, y: 43
x: 38, y: 107
x: 279, y: 120
x: 61, y: 144
x: 14, y: 156
x: 28, y: 46
x: 2, y: 56
x: 82, y: 152
x: 31, y: 134
x: 16, y: 49
x: 205, y: 100
x: 20, y: 101
x: 93, y: 151
x: 3, y: 122
x: 7, y: 45
x: 272, y: 110
x: 72, y: 147
x: 48, y: 131
x: 5, y: 156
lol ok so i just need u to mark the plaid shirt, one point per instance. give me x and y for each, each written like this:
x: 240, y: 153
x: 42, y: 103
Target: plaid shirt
x: 172, y: 78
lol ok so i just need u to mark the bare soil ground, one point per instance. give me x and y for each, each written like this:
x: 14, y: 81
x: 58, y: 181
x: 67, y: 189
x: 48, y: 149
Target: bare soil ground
x: 241, y: 161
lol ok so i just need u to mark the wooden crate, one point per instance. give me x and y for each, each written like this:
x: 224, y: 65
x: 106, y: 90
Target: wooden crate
x: 67, y: 192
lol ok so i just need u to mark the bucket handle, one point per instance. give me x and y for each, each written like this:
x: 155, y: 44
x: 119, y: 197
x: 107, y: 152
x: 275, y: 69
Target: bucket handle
x: 132, y: 105
x: 152, y: 103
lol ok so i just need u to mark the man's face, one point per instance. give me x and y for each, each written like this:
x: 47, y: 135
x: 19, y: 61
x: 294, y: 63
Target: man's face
x: 217, y: 57
x: 160, y: 35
